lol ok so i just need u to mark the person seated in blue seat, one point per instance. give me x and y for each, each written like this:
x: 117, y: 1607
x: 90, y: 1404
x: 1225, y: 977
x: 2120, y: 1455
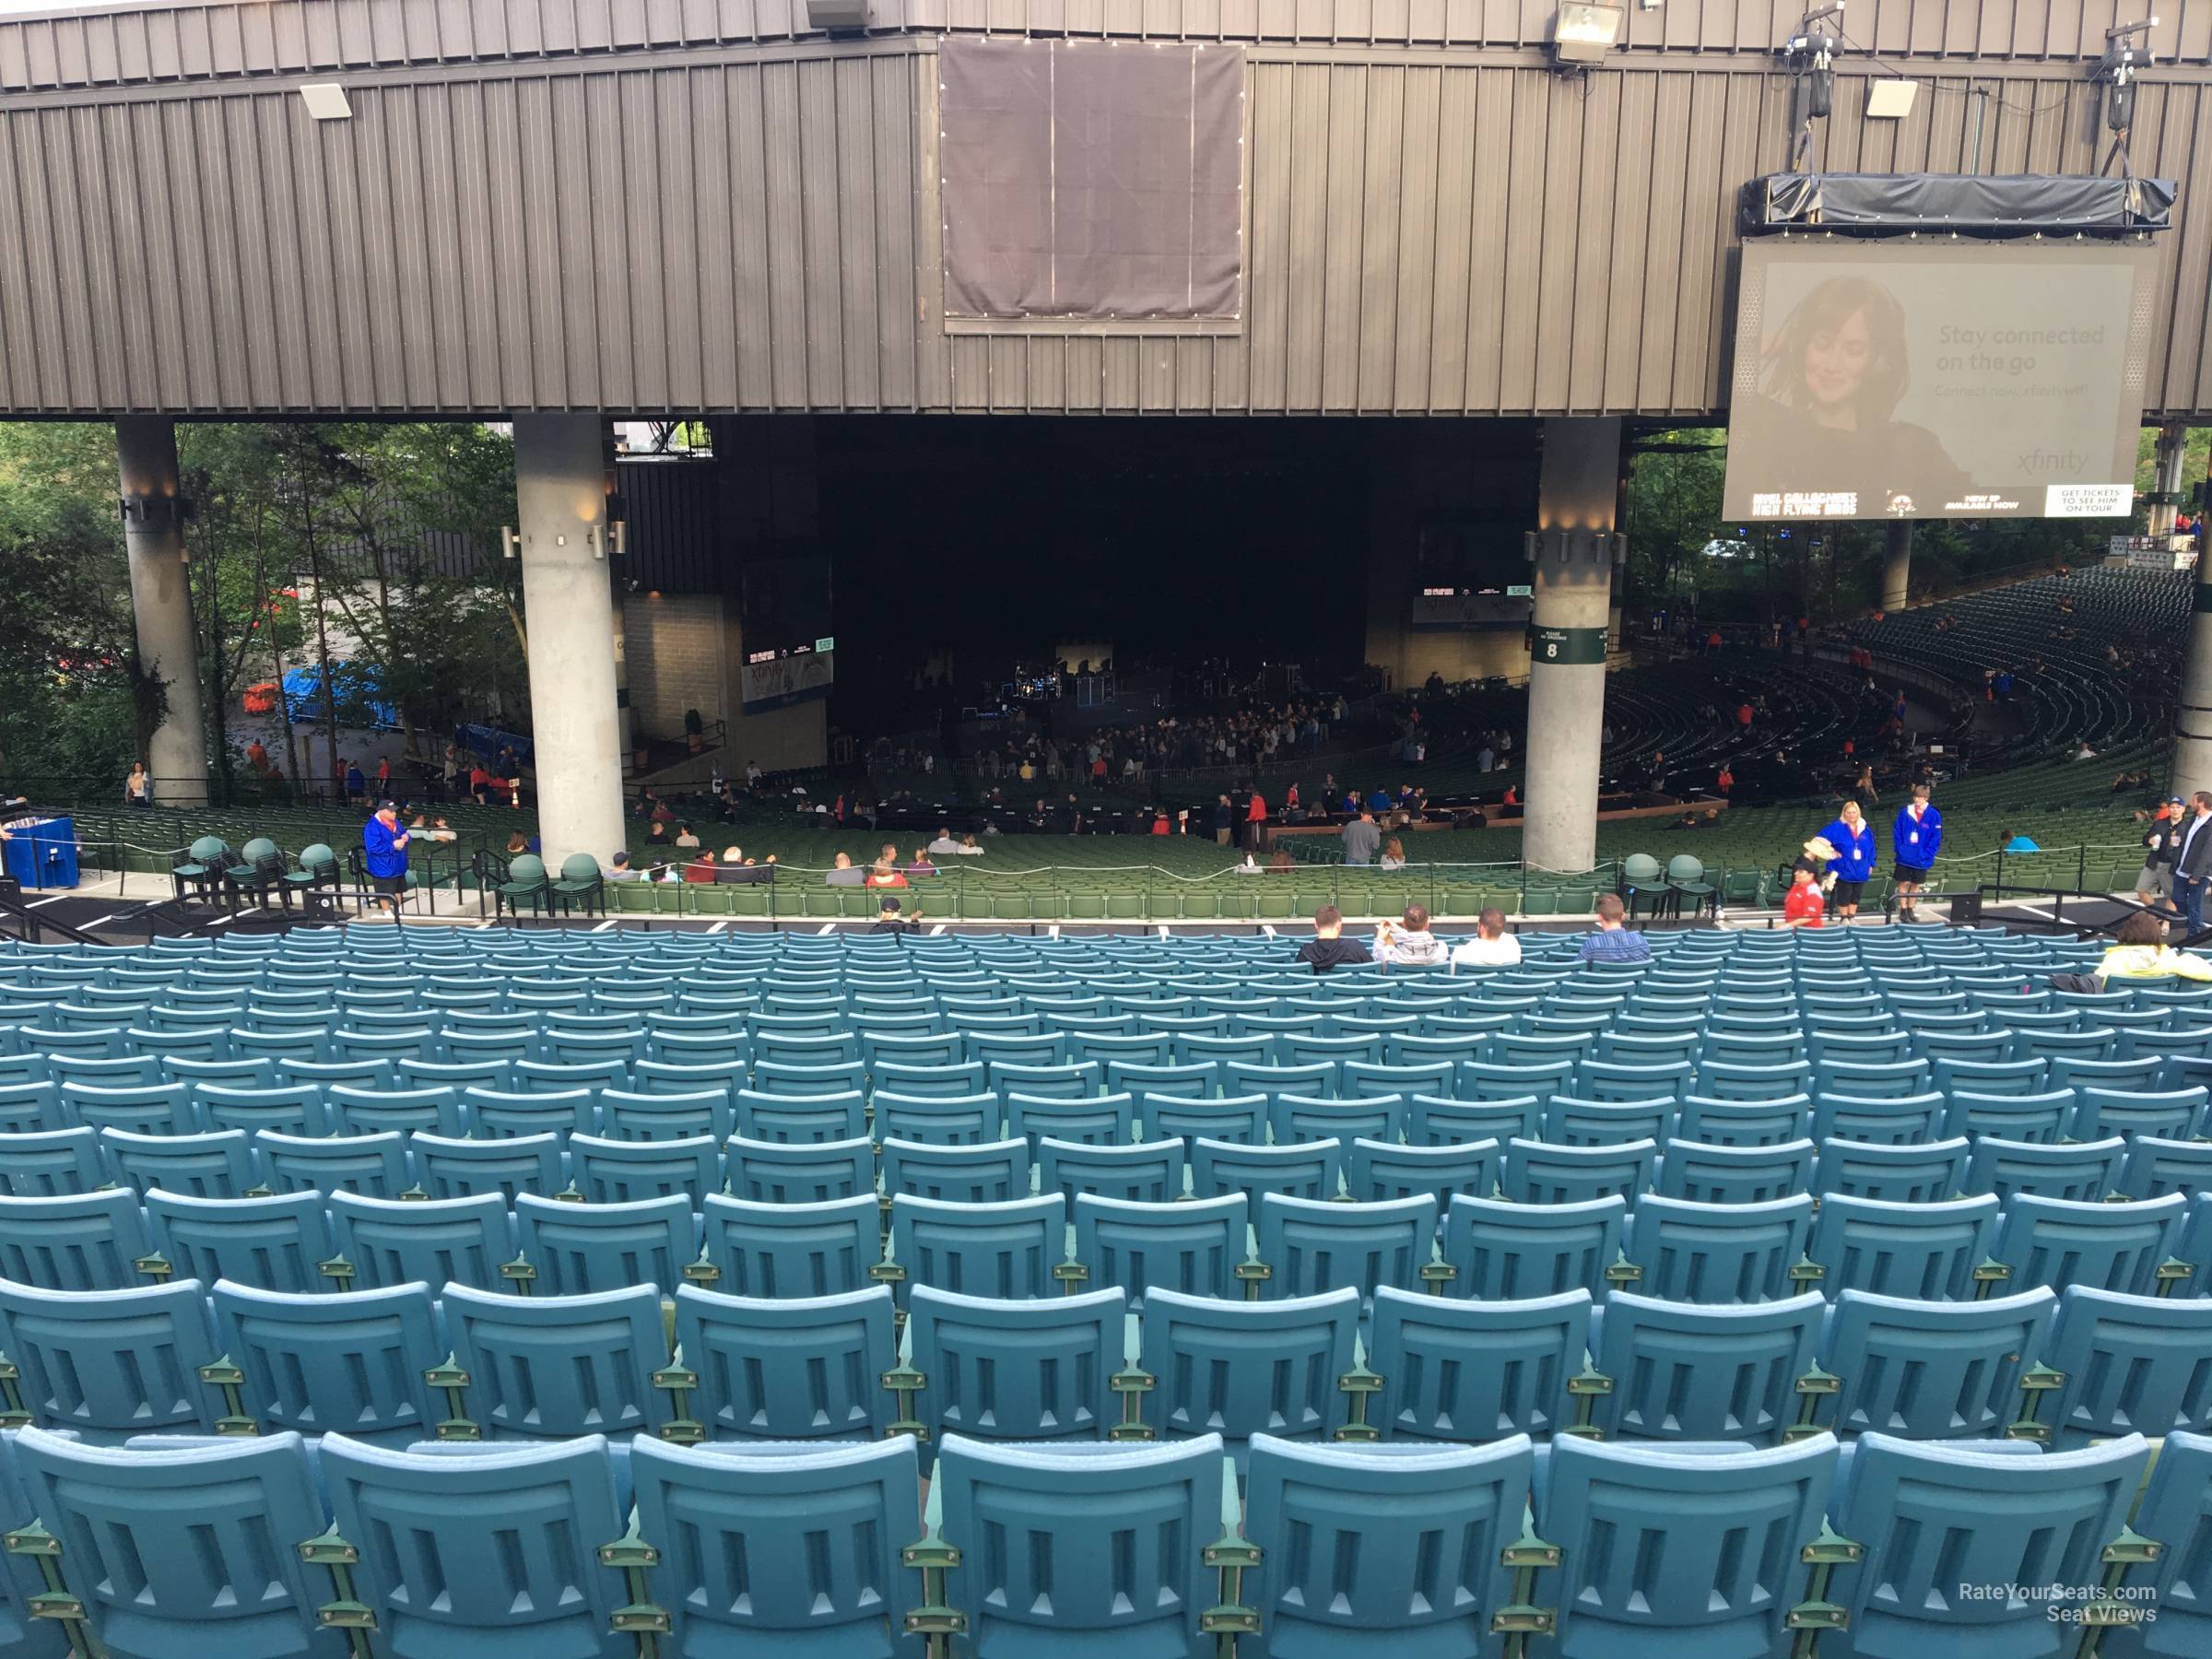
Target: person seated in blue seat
x: 1328, y: 948
x: 1612, y: 942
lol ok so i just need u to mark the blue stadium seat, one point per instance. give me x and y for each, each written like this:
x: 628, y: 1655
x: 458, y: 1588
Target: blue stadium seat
x: 892, y: 1072
x: 2042, y: 1117
x: 1314, y: 1245
x: 375, y: 1166
x: 1093, y: 1120
x: 1399, y: 1550
x: 2082, y: 1171
x: 1904, y: 1172
x: 399, y: 1241
x: 938, y: 1120
x: 1708, y: 1174
x: 549, y: 1367
x: 1041, y: 1370
x: 1891, y: 1122
x: 1474, y: 1370
x: 1923, y: 1251
x: 1150, y: 1172
x: 1680, y: 1550
x: 275, y: 1242
x: 123, y: 1519
x: 141, y: 1108
x: 800, y: 1368
x: 1537, y: 1173
x: 1500, y: 1250
x: 1297, y: 1117
x: 790, y: 1249
x: 1685, y: 1250
x: 348, y: 1364
x: 1745, y: 1122
x: 650, y: 1114
x: 2176, y: 1512
x: 2132, y: 1364
x: 622, y: 1171
x: 107, y: 1364
x: 289, y: 1109
x: 1931, y: 1519
x: 2155, y: 1168
x: 1239, y: 1369
x: 993, y: 1171
x: 1236, y: 1118
x: 2170, y: 1114
x: 826, y: 1116
x: 495, y: 1114
x: 782, y: 1549
x: 73, y: 1241
x: 2059, y: 1242
x: 566, y: 1249
x: 801, y: 1171
x: 1193, y: 1246
x: 1684, y: 1372
x: 1431, y: 1121
x: 1569, y: 1122
x: 1310, y: 1170
x: 50, y: 1163
x: 447, y: 1168
x: 1991, y: 1077
x: 487, y: 1554
x: 1007, y: 1251
x: 1077, y: 1549
x: 1930, y: 1369
x: 1377, y: 1171
x: 371, y: 1109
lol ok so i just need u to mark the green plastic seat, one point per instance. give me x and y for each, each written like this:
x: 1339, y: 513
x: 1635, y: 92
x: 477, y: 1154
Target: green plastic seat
x: 527, y: 881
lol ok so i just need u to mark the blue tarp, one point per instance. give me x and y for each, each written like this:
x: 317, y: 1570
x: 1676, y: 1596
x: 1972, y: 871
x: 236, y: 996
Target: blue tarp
x: 361, y: 696
x: 488, y: 741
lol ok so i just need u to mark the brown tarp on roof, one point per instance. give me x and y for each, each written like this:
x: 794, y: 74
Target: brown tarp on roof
x: 1092, y: 180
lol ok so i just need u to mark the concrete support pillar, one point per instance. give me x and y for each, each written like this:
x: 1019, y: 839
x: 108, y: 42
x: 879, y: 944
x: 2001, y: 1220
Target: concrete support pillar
x: 626, y: 727
x: 1897, y: 565
x: 168, y: 647
x: 561, y: 497
x: 2165, y: 478
x: 1577, y: 488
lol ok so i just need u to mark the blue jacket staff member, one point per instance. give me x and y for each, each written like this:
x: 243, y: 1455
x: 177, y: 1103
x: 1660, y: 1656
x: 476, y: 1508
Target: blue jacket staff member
x: 385, y: 843
x: 1914, y: 840
x: 1853, y: 867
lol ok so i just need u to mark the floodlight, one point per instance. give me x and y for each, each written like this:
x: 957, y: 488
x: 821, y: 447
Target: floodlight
x: 1890, y: 99
x: 325, y: 100
x: 1583, y: 33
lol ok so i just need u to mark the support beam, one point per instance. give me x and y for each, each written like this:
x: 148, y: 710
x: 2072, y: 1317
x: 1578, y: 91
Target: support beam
x: 1578, y: 486
x: 624, y: 721
x: 2192, y: 721
x: 561, y: 497
x: 1897, y: 565
x: 168, y: 646
x: 2165, y: 478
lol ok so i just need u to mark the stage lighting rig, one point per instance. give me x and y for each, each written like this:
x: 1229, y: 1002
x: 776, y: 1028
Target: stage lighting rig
x: 2127, y: 53
x: 1810, y: 57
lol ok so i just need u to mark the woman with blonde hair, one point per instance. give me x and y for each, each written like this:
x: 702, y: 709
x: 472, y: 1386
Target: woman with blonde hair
x: 1393, y: 854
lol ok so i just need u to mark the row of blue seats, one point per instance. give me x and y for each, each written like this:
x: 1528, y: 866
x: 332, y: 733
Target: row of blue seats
x: 1317, y: 1149
x: 1427, y: 1105
x: 397, y: 1364
x: 284, y: 1548
x: 1266, y: 1246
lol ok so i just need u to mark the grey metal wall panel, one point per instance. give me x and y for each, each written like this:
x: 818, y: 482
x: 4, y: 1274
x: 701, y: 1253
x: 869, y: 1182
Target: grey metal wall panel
x: 1426, y: 232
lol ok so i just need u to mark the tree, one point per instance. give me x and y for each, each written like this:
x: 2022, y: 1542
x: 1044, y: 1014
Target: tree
x: 1674, y: 509
x: 74, y: 703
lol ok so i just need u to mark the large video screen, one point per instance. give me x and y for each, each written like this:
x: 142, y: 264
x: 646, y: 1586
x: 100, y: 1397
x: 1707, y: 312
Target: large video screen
x: 1936, y: 379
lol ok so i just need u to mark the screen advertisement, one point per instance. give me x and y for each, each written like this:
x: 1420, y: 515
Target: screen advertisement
x: 1933, y: 380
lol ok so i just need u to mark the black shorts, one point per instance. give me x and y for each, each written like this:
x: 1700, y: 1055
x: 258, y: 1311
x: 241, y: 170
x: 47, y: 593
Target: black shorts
x: 389, y: 883
x: 1847, y: 892
x: 1907, y: 873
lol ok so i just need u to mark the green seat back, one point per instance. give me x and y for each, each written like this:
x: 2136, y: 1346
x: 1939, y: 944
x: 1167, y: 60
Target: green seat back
x: 577, y: 867
x: 317, y: 858
x: 259, y: 848
x: 209, y: 849
x: 1684, y: 866
x: 527, y: 870
x: 1639, y: 869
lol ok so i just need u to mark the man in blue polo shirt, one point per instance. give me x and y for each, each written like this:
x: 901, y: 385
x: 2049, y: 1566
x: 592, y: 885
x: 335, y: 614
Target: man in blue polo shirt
x: 385, y: 845
x: 1612, y: 942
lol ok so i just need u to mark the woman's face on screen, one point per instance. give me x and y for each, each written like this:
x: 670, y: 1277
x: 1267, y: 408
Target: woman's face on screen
x: 1835, y: 362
